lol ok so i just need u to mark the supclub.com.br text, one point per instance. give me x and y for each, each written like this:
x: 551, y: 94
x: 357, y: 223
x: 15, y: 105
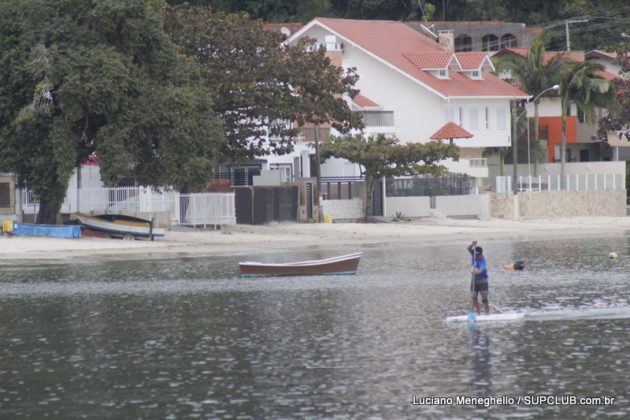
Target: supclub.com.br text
x: 529, y: 400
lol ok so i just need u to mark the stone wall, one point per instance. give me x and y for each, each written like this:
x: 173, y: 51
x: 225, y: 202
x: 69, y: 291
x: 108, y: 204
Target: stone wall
x: 550, y: 204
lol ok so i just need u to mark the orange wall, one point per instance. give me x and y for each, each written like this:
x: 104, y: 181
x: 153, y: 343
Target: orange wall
x: 554, y: 127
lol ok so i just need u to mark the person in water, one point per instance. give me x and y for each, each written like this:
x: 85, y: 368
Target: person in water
x: 479, y: 281
x: 516, y: 265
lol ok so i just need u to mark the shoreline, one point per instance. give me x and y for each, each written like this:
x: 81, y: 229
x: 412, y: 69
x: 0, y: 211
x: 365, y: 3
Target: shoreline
x: 252, y: 240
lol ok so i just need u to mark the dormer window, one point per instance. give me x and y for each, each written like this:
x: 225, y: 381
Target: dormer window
x: 475, y: 74
x: 442, y: 74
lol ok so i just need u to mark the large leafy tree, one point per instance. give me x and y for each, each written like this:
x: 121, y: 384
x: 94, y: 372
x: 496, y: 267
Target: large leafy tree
x: 99, y: 76
x: 381, y: 156
x: 581, y: 85
x: 262, y: 86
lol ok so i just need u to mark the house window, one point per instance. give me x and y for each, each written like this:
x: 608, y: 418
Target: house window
x: 463, y: 43
x: 5, y: 195
x: 501, y: 119
x: 461, y: 116
x: 475, y: 74
x: 442, y: 74
x: 490, y: 42
x: 509, y: 41
x: 473, y: 116
x: 487, y: 118
x: 580, y: 116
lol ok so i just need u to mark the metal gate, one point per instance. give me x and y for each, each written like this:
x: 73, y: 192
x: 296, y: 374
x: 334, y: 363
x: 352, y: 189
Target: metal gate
x: 377, y: 199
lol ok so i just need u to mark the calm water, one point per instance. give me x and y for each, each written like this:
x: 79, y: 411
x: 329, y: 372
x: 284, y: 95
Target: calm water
x: 189, y: 338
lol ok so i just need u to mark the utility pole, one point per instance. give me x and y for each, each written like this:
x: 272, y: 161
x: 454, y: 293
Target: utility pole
x: 566, y: 27
x: 514, y: 151
x: 320, y: 200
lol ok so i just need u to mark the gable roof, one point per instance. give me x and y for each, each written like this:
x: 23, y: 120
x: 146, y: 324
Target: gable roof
x: 389, y: 42
x: 474, y: 60
x: 430, y: 60
x: 601, y: 54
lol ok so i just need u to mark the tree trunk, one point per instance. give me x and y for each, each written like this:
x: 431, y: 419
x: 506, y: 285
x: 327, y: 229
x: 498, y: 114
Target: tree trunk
x: 48, y: 211
x: 369, y: 190
x: 536, y: 121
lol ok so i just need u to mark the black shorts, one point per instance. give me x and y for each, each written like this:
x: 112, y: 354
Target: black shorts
x: 479, y: 286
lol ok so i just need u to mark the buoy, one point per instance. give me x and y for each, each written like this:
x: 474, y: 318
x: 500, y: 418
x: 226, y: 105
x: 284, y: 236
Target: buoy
x: 613, y: 256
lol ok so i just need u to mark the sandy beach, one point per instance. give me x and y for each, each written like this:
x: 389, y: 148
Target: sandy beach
x: 252, y: 240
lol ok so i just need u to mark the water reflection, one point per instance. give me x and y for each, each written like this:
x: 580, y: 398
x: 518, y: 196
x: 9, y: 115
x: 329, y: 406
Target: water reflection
x: 189, y: 338
x: 481, y: 384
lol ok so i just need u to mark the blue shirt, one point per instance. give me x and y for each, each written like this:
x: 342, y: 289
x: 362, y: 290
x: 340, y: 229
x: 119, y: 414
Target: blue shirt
x: 480, y: 263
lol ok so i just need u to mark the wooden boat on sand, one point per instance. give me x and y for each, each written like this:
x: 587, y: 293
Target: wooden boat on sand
x: 120, y: 226
x: 343, y: 264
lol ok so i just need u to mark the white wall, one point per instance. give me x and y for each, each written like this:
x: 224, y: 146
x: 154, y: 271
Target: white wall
x: 456, y: 205
x: 548, y: 107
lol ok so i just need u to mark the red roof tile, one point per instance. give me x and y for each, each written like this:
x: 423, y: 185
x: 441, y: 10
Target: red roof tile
x: 390, y: 41
x: 601, y: 54
x: 472, y: 60
x: 364, y: 102
x: 450, y: 130
x: 575, y: 56
x: 430, y: 60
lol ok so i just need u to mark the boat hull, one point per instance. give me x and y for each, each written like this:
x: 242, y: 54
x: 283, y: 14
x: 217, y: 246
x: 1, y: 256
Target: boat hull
x: 344, y: 264
x: 119, y: 226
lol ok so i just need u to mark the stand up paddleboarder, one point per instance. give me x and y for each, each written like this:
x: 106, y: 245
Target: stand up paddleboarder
x: 479, y: 281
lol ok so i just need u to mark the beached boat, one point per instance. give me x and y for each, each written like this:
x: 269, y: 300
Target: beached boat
x: 120, y: 226
x: 343, y: 264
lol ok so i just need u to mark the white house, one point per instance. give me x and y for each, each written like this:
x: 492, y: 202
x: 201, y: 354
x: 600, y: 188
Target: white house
x: 412, y: 83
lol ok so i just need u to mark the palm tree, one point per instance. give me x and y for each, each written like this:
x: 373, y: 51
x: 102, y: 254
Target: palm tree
x: 581, y: 86
x: 534, y: 73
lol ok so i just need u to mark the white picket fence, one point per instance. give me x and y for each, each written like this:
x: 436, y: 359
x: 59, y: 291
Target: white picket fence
x: 186, y: 209
x: 574, y: 182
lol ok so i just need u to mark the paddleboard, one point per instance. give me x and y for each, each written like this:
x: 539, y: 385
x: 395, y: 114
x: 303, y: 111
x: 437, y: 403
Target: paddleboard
x: 500, y: 317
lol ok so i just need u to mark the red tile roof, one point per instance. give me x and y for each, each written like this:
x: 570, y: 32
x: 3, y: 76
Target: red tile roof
x: 389, y: 41
x: 575, y: 56
x: 601, y: 54
x: 472, y: 60
x: 364, y: 102
x: 450, y: 130
x: 430, y: 60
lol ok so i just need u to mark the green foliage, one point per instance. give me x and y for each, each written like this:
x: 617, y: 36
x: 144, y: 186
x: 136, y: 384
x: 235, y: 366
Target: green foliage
x: 86, y: 76
x: 581, y: 85
x: 259, y: 84
x: 607, y: 18
x: 399, y: 216
x: 622, y: 87
x: 383, y: 156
